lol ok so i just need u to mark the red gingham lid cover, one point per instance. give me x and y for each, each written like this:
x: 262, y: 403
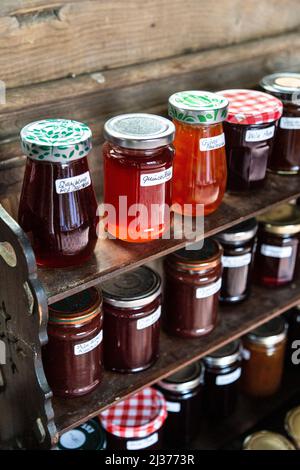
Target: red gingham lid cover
x: 138, y: 416
x: 251, y: 107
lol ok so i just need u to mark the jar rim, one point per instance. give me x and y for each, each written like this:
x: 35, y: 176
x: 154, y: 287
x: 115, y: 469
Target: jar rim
x: 187, y: 263
x: 242, y: 232
x: 224, y: 356
x: 277, y: 83
x: 269, y: 334
x: 88, y: 305
x: 268, y: 437
x: 282, y: 220
x: 177, y: 383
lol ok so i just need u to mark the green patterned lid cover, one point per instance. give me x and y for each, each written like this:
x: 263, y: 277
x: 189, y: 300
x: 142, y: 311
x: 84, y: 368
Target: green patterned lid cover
x: 198, y: 107
x: 56, y: 140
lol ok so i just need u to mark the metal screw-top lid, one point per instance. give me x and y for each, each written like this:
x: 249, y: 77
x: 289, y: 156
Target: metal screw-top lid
x: 269, y: 334
x: 267, y: 440
x: 87, y: 436
x: 133, y: 289
x: 239, y: 233
x: 225, y: 356
x: 184, y: 380
x: 282, y: 220
x: 285, y: 85
x: 198, y: 107
x: 188, y: 259
x: 56, y: 140
x: 292, y: 425
x: 139, y: 131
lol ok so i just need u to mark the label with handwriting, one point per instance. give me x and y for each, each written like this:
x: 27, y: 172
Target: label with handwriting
x: 75, y: 183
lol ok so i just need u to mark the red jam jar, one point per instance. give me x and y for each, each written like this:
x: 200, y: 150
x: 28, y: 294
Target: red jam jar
x: 285, y: 157
x: 249, y: 131
x: 200, y: 170
x: 73, y: 356
x: 138, y: 169
x: 277, y: 246
x: 136, y: 423
x: 192, y: 287
x: 132, y: 309
x: 58, y: 205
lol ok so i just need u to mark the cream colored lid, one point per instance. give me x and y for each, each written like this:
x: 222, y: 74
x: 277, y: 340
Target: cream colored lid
x: 267, y: 440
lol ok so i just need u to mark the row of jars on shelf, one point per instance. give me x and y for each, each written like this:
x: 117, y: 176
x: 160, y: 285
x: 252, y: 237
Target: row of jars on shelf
x: 58, y: 208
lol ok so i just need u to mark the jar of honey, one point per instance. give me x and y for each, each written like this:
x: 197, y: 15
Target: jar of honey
x: 138, y: 169
x: 200, y: 170
x: 58, y: 206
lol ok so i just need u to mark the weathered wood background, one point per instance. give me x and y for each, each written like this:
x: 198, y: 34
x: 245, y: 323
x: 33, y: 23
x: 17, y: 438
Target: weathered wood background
x: 90, y: 59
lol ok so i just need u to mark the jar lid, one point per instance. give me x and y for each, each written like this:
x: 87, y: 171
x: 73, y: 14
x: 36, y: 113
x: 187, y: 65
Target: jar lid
x: 282, y: 220
x: 139, y: 131
x: 56, y: 140
x: 286, y: 85
x: 184, y: 380
x: 292, y: 424
x: 242, y: 232
x: 251, y: 107
x: 133, y: 289
x: 208, y: 256
x: 138, y: 416
x: 87, y: 436
x: 225, y: 356
x: 267, y: 440
x: 269, y: 334
x: 198, y: 107
x: 76, y: 309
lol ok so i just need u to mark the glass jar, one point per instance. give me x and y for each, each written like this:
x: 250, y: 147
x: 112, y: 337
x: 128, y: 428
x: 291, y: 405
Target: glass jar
x: 73, y: 356
x: 292, y: 425
x: 132, y: 309
x: 263, y: 356
x: 183, y: 393
x: 277, y: 246
x: 249, y: 133
x: 58, y: 205
x: 136, y: 423
x: 293, y: 342
x: 221, y: 380
x: 138, y: 169
x: 87, y: 436
x: 267, y: 440
x: 285, y: 157
x: 237, y: 260
x: 200, y: 170
x: 192, y: 285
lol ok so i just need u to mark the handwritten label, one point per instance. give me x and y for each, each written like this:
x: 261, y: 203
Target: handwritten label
x: 289, y: 123
x: 173, y: 406
x: 142, y: 443
x: 229, y: 378
x: 236, y: 261
x: 212, y: 143
x: 257, y: 135
x: 276, y: 251
x: 152, y: 179
x: 88, y: 346
x: 75, y: 183
x: 150, y: 320
x: 207, y: 291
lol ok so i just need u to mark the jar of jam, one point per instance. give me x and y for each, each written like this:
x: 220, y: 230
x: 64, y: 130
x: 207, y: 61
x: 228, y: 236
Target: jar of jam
x: 132, y: 309
x: 183, y: 393
x: 285, y: 157
x: 293, y: 342
x: 138, y: 169
x: 136, y: 423
x: 249, y: 132
x: 221, y: 380
x: 263, y: 354
x: 200, y: 170
x: 267, y: 440
x: 73, y: 356
x: 192, y: 287
x: 292, y: 425
x: 58, y: 205
x: 277, y: 246
x: 87, y: 436
x: 238, y: 246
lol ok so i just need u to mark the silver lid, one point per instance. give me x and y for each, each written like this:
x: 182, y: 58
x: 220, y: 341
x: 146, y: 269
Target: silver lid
x: 239, y: 233
x: 184, y: 380
x: 225, y: 356
x: 269, y: 334
x: 139, y: 131
x: 284, y: 84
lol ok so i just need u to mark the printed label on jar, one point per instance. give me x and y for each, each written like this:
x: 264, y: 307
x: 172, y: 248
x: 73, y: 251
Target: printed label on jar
x: 257, y: 135
x: 229, y: 378
x: 236, y: 261
x: 73, y: 439
x: 142, y: 443
x: 152, y: 179
x: 148, y: 321
x: 246, y: 354
x: 173, y: 406
x: 212, y: 143
x: 88, y: 346
x: 276, y: 251
x: 75, y: 183
x: 289, y: 123
x: 207, y: 291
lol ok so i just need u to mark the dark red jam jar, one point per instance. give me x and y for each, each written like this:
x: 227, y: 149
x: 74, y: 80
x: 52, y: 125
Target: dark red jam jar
x: 73, y: 356
x: 221, y: 380
x: 293, y: 340
x: 277, y: 246
x: 249, y: 134
x: 58, y: 205
x: 238, y: 246
x: 87, y: 436
x: 285, y: 157
x: 132, y: 309
x: 183, y: 393
x: 136, y: 423
x: 192, y: 287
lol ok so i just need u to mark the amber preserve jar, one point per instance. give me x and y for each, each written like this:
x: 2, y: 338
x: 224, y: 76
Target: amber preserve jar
x: 249, y: 131
x: 136, y: 423
x: 132, y: 309
x: 285, y: 157
x: 58, y: 205
x: 237, y: 260
x: 192, y: 287
x: 87, y: 436
x: 277, y: 246
x: 263, y: 354
x: 73, y: 356
x: 183, y: 393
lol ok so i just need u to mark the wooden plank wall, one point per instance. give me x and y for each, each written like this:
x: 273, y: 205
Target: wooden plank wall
x: 90, y: 59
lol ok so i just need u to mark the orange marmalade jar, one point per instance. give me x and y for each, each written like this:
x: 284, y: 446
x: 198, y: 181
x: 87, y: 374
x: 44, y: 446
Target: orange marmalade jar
x: 200, y: 171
